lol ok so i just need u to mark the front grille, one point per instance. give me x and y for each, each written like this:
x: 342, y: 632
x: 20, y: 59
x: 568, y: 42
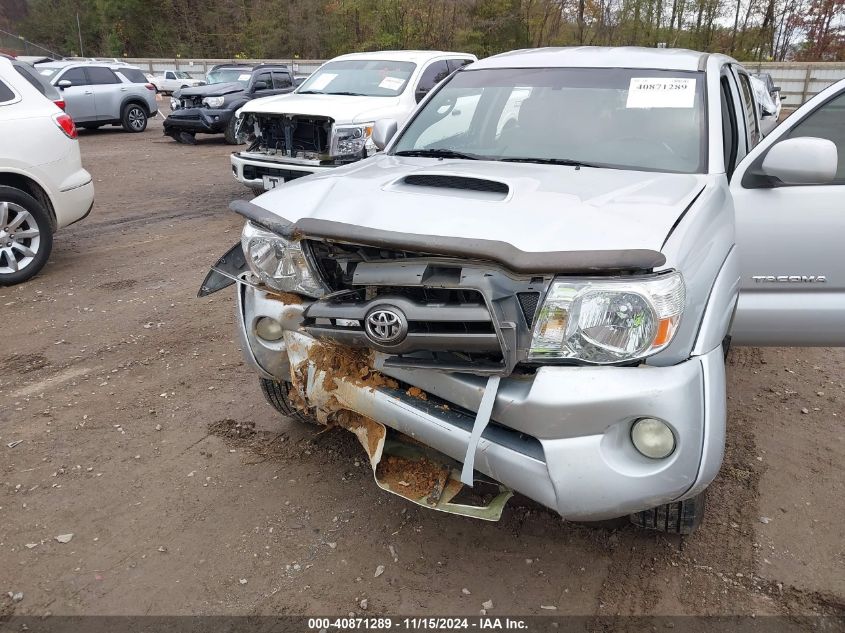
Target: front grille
x: 291, y: 135
x: 456, y: 182
x: 463, y: 316
x: 190, y: 102
x: 528, y: 301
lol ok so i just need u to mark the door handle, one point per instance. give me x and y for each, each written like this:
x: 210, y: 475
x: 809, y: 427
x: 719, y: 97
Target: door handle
x: 88, y: 92
x: 124, y: 89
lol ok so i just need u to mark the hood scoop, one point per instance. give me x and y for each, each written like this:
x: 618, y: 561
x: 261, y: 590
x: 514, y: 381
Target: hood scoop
x: 449, y: 185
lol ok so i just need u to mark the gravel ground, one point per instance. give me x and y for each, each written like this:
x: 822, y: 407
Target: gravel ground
x: 144, y: 436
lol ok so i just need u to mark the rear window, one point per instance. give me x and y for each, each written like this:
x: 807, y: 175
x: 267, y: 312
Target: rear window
x: 133, y: 75
x: 37, y: 82
x: 6, y: 93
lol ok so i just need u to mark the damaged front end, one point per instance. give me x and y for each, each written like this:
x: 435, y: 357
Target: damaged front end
x: 465, y: 364
x: 288, y: 146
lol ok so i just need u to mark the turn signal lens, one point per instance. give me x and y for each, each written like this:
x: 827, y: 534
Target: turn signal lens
x: 66, y: 124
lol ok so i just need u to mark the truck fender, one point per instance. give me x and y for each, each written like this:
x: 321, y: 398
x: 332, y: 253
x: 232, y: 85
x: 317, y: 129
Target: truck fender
x: 721, y: 304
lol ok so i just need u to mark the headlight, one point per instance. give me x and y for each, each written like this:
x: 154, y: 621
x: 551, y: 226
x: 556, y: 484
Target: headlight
x: 174, y: 103
x: 213, y: 102
x: 603, y: 322
x: 349, y: 140
x: 279, y: 263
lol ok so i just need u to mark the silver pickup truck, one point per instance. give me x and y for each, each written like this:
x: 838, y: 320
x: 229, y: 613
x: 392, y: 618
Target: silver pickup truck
x: 533, y: 287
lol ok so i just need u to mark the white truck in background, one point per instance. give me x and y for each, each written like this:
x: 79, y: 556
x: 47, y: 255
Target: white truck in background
x: 171, y: 80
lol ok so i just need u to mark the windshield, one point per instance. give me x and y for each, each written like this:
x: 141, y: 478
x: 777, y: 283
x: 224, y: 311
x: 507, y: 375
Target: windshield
x: 365, y: 77
x: 652, y: 120
x: 229, y: 75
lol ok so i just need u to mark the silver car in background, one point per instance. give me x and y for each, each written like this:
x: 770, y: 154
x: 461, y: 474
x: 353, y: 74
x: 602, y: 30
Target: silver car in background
x: 102, y: 93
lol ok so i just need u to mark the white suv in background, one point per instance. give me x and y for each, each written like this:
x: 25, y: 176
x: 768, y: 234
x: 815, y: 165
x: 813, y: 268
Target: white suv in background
x: 43, y: 186
x: 327, y: 121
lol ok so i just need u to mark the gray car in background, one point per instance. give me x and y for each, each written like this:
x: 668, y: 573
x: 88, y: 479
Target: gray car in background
x: 100, y: 93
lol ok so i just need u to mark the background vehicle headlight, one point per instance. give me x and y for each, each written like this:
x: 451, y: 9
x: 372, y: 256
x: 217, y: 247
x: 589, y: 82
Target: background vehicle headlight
x: 351, y: 139
x: 213, y: 102
x: 174, y: 103
x: 604, y: 322
x: 278, y: 262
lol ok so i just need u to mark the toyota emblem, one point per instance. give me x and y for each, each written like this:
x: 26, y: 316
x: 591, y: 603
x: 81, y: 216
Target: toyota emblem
x: 386, y: 326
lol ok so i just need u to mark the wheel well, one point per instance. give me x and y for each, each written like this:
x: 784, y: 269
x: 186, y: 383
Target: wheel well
x: 31, y: 187
x: 135, y: 101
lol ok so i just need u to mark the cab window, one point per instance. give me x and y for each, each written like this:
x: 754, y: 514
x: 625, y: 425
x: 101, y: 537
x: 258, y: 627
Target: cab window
x: 827, y: 122
x: 281, y: 80
x: 749, y: 107
x: 729, y: 127
x: 433, y: 75
x: 266, y: 78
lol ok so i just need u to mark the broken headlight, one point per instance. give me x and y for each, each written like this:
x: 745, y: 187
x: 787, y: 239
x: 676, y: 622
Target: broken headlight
x: 603, y: 322
x: 213, y: 102
x: 278, y: 262
x: 351, y: 140
x: 174, y: 103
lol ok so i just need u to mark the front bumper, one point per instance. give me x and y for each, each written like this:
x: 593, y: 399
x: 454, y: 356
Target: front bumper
x: 560, y: 437
x: 198, y: 120
x: 251, y: 169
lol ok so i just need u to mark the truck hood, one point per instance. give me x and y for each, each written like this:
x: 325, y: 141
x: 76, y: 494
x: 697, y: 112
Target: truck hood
x: 210, y: 90
x: 341, y: 108
x: 546, y: 208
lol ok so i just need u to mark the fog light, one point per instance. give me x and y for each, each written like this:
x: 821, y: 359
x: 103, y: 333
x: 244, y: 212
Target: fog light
x: 653, y: 438
x: 269, y: 329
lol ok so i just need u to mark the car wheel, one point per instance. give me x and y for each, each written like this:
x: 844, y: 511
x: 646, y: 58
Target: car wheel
x: 229, y: 134
x: 26, y: 236
x: 278, y: 395
x: 134, y: 118
x: 678, y: 517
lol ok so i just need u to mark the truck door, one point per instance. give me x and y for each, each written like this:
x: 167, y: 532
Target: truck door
x: 789, y: 200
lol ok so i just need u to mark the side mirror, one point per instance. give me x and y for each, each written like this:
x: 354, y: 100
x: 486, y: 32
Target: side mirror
x: 260, y: 85
x: 420, y: 93
x: 383, y: 131
x: 64, y: 83
x: 805, y: 160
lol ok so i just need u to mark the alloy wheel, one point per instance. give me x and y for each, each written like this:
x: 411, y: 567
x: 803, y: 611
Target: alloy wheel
x: 136, y: 118
x: 20, y: 238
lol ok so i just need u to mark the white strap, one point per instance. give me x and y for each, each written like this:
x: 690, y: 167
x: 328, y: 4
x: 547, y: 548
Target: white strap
x: 485, y: 410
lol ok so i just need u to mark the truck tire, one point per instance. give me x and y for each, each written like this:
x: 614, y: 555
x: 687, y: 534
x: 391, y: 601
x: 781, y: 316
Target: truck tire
x: 26, y: 236
x: 277, y: 395
x: 229, y: 133
x: 133, y: 118
x: 678, y: 517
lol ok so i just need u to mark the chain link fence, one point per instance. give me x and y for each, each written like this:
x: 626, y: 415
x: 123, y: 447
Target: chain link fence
x: 16, y: 45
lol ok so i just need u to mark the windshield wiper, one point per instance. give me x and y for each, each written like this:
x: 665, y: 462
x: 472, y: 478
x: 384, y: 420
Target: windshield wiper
x: 311, y: 92
x: 550, y: 161
x: 437, y: 153
x: 346, y: 94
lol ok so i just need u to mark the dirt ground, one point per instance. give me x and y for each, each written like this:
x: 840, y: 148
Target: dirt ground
x: 143, y: 435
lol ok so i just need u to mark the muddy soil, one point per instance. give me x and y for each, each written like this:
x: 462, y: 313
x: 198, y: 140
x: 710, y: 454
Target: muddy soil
x: 143, y: 435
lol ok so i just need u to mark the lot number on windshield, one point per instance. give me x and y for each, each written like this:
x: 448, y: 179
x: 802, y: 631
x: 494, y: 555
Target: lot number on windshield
x: 656, y: 92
